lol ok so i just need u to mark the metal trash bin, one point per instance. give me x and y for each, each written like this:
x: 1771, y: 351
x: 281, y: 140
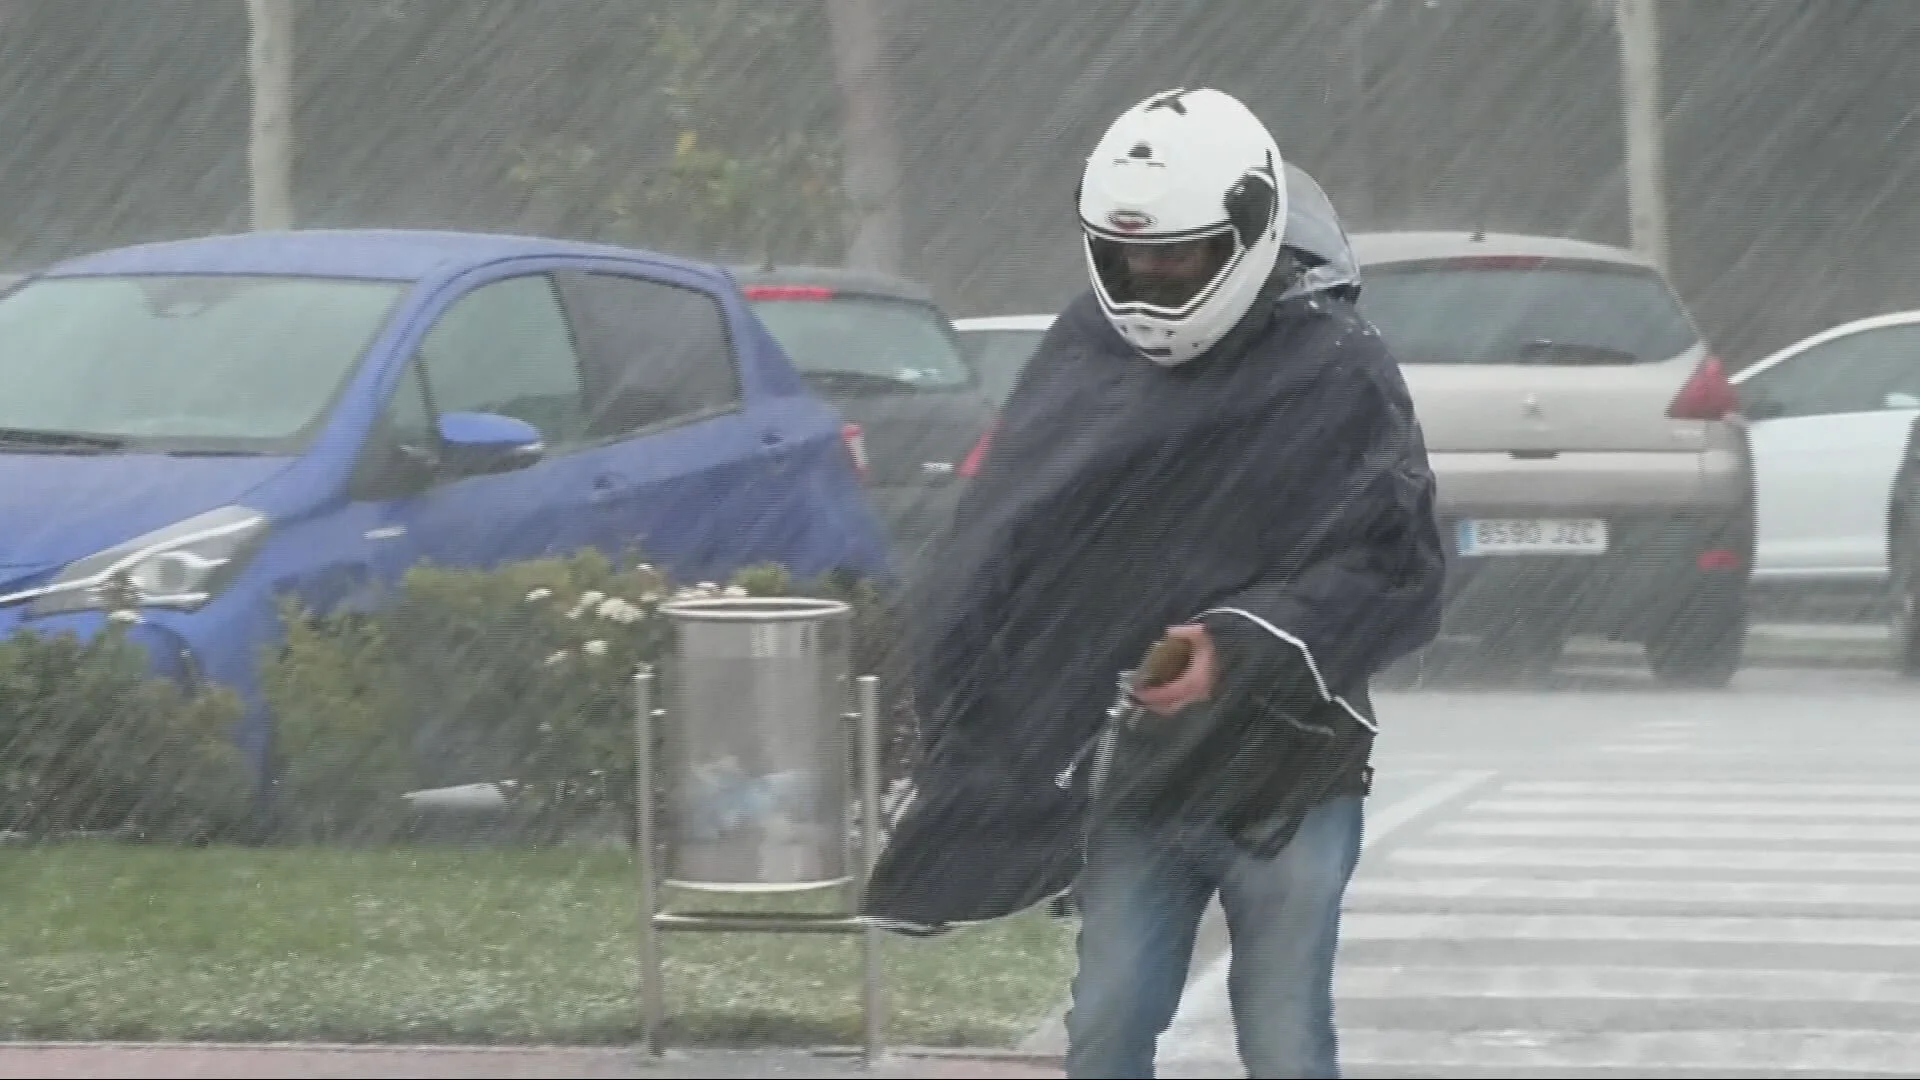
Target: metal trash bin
x: 755, y: 747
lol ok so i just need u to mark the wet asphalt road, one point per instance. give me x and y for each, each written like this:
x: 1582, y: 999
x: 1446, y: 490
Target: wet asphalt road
x: 1592, y: 876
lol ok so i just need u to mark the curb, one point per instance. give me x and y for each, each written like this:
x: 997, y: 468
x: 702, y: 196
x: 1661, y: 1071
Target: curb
x: 951, y: 1053
x: 967, y: 1053
x: 65, y: 1060
x: 1037, y: 1058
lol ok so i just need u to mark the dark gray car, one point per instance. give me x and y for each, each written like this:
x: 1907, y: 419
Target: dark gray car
x: 883, y: 352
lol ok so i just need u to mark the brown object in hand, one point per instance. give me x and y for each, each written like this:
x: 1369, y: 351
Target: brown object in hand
x: 1165, y: 662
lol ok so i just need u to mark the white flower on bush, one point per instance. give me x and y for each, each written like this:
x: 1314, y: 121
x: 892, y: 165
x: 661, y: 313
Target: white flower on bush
x: 614, y: 609
x: 588, y: 601
x: 706, y: 590
x: 557, y: 658
x: 594, y: 648
x: 538, y: 595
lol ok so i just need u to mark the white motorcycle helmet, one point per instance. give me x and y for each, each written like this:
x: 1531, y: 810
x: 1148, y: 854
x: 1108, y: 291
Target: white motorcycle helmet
x: 1193, y: 168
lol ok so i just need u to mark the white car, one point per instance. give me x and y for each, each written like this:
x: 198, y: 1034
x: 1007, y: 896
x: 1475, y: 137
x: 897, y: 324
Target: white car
x: 1828, y: 419
x: 998, y: 347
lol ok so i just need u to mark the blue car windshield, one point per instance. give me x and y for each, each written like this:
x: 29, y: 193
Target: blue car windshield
x: 189, y: 362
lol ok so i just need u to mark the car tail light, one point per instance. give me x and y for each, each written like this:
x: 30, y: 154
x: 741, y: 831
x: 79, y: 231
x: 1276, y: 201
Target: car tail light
x: 977, y: 456
x: 1707, y: 394
x: 856, y: 441
x: 787, y: 292
x: 1718, y: 559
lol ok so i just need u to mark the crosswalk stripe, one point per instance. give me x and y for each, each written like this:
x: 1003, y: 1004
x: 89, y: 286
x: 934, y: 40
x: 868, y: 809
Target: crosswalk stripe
x: 1378, y: 926
x: 1649, y: 748
x: 1680, y: 891
x: 1717, y: 788
x: 1653, y: 858
x: 1668, y: 808
x: 1569, y: 828
x: 1818, y: 1050
x: 1599, y: 982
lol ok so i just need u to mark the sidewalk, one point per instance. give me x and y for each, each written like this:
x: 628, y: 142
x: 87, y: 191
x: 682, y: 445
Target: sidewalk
x: 284, y: 1061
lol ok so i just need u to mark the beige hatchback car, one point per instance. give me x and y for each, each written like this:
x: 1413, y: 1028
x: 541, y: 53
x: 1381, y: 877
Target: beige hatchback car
x: 1594, y: 477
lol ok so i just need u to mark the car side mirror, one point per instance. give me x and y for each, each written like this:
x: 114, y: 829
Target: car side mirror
x: 482, y: 444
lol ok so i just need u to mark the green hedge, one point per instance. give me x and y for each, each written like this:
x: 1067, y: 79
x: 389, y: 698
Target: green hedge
x: 522, y: 672
x: 91, y: 742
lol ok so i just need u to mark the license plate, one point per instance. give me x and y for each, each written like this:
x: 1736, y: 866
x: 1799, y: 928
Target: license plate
x: 1580, y: 536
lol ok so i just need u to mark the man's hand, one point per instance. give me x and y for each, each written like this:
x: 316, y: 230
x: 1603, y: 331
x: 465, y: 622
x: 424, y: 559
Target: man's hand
x: 1190, y: 687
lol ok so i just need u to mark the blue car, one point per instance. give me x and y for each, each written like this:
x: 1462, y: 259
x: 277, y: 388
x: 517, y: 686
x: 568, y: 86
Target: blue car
x: 211, y: 424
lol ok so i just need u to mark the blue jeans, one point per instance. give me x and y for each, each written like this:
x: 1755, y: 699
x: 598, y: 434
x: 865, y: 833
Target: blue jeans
x: 1142, y: 895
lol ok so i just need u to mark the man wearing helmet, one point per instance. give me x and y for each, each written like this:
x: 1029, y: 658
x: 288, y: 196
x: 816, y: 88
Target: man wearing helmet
x: 1211, y: 444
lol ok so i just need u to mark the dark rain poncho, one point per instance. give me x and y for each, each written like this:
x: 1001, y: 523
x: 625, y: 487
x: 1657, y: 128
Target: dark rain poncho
x: 1276, y: 486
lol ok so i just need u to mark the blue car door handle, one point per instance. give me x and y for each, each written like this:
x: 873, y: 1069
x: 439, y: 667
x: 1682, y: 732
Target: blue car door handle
x: 605, y: 488
x: 775, y: 451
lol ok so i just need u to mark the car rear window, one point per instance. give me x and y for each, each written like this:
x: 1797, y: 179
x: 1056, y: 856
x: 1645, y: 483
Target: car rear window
x: 1525, y: 311
x: 900, y: 340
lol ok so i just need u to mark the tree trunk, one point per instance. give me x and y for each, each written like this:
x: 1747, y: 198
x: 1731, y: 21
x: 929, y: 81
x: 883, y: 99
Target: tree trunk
x: 869, y: 142
x: 1639, y: 25
x: 270, y: 149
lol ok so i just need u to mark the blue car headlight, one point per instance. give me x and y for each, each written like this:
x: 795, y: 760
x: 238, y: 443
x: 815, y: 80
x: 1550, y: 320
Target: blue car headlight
x: 181, y: 566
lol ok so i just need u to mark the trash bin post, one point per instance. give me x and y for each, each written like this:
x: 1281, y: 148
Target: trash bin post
x: 873, y: 999
x: 653, y: 1007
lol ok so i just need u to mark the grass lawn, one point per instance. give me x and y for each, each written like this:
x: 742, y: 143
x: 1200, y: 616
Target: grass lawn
x: 104, y: 941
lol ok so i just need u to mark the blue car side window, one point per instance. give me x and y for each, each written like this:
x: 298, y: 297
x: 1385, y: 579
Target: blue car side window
x: 408, y: 420
x: 506, y: 348
x: 654, y: 353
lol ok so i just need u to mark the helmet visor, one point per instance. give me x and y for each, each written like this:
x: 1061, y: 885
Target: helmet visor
x: 1168, y: 276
